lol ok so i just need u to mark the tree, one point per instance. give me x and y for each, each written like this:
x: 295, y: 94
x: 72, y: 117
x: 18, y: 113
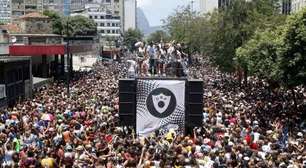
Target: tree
x: 56, y: 19
x: 79, y: 26
x: 158, y: 36
x: 130, y: 37
x: 73, y: 25
x: 293, y: 57
x: 260, y: 55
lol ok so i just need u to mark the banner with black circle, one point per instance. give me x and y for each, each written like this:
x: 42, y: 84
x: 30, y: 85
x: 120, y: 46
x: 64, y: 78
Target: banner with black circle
x: 160, y: 106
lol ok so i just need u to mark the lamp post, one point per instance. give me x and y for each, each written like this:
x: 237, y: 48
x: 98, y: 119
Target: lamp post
x: 68, y: 58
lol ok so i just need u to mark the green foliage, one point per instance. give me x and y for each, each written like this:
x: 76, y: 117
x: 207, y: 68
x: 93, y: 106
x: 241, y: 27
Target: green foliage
x: 260, y: 55
x: 221, y: 32
x: 158, y: 36
x: 79, y: 26
x: 72, y: 25
x: 56, y: 19
x: 278, y: 55
x: 130, y: 37
x: 293, y: 58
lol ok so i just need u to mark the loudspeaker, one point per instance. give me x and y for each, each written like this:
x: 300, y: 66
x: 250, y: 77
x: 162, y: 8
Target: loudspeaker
x: 194, y: 103
x: 127, y: 102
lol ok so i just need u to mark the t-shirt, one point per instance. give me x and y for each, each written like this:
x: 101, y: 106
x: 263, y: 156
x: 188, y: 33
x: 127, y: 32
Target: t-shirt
x: 151, y: 52
x: 8, y: 157
x: 256, y: 136
x: 48, y: 162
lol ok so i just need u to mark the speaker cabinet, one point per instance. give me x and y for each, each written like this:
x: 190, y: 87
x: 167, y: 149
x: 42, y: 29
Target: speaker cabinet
x: 194, y: 106
x: 127, y: 102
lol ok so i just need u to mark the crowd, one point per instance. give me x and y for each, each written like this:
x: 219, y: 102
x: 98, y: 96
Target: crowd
x: 160, y: 59
x: 250, y: 126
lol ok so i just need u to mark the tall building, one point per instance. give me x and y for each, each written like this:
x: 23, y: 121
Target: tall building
x: 23, y: 7
x: 61, y: 6
x: 77, y: 5
x: 207, y: 6
x: 223, y: 3
x: 286, y: 6
x: 297, y: 5
x: 107, y: 15
x: 5, y: 11
x: 129, y: 18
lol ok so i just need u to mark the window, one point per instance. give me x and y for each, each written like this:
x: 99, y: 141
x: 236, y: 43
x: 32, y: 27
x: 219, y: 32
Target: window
x: 101, y: 17
x: 113, y: 31
x: 96, y: 17
x: 90, y: 17
x: 102, y: 24
x: 113, y: 24
x: 108, y: 31
x: 102, y: 31
x: 108, y: 24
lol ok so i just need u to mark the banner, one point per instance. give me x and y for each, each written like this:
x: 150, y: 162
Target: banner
x: 2, y: 91
x: 160, y: 106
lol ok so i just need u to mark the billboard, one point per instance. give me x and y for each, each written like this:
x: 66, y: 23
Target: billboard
x: 160, y: 105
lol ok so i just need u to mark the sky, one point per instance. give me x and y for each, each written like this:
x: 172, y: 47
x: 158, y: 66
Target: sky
x: 156, y: 10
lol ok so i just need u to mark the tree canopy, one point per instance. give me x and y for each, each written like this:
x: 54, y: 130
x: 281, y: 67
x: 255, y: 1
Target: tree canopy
x: 130, y: 37
x: 245, y: 35
x: 158, y: 36
x: 77, y: 25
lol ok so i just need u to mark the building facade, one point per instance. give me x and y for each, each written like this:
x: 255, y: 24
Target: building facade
x: 129, y: 18
x: 4, y: 42
x: 286, y: 7
x: 207, y: 6
x: 5, y: 11
x: 78, y: 5
x: 23, y: 7
x: 297, y: 5
x: 16, y: 80
x: 107, y: 14
x: 223, y: 3
x: 108, y: 24
x: 61, y: 6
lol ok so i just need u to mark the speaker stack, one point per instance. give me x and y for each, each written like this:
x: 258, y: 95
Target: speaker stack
x: 194, y: 104
x: 127, y: 102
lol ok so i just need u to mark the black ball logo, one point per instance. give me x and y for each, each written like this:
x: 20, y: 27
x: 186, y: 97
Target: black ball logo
x: 161, y: 102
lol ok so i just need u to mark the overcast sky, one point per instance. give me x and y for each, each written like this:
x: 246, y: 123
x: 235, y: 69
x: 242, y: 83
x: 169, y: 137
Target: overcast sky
x: 156, y: 10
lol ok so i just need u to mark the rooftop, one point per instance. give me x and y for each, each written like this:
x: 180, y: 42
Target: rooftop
x: 11, y: 28
x: 35, y: 15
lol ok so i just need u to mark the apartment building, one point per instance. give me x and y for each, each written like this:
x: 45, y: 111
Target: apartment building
x: 23, y: 7
x: 5, y: 11
x: 297, y: 5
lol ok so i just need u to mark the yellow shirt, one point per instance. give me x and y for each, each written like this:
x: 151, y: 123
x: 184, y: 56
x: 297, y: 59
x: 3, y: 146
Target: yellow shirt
x: 47, y: 162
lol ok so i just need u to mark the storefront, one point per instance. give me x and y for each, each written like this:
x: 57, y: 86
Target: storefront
x: 15, y: 80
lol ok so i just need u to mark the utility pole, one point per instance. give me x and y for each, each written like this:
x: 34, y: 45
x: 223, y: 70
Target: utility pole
x: 68, y: 57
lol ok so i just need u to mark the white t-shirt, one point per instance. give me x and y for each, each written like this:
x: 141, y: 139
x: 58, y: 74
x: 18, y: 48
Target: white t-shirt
x: 256, y: 136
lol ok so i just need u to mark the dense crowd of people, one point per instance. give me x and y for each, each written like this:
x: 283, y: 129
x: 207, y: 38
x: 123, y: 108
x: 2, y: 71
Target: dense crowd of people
x: 253, y: 126
x: 160, y: 59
